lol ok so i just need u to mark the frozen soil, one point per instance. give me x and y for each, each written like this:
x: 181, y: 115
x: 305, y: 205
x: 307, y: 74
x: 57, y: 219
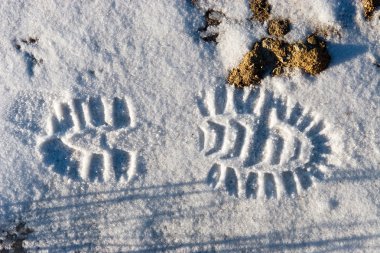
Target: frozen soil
x: 273, y: 56
x: 278, y: 27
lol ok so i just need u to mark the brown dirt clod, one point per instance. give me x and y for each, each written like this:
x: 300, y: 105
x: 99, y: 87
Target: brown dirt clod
x: 311, y: 56
x: 272, y: 56
x: 370, y: 7
x: 278, y: 47
x: 278, y: 27
x: 246, y: 73
x: 260, y: 9
x: 253, y: 67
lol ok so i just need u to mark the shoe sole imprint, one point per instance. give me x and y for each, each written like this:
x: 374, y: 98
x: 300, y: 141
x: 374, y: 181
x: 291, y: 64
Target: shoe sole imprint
x: 82, y: 140
x: 263, y: 146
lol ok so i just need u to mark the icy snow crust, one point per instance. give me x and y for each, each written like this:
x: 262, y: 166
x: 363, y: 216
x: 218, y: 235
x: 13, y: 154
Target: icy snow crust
x: 150, y: 55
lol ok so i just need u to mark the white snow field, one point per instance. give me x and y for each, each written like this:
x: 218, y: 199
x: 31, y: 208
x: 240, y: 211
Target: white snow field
x: 119, y: 132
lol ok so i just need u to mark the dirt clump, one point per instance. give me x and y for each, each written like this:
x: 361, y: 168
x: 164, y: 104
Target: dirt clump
x: 278, y: 27
x: 254, y: 66
x: 311, y: 56
x: 260, y: 9
x: 369, y: 7
x: 280, y: 50
x: 272, y: 56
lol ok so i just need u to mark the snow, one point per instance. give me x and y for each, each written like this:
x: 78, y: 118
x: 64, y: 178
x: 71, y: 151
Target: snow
x: 232, y: 45
x: 151, y: 55
x: 320, y: 12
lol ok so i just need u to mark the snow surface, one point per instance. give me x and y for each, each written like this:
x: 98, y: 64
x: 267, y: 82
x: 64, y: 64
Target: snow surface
x: 150, y: 54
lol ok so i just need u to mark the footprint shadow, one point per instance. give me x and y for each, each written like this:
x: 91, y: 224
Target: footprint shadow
x: 58, y: 155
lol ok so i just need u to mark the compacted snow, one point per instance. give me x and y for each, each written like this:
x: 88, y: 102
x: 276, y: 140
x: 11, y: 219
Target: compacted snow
x: 119, y: 132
